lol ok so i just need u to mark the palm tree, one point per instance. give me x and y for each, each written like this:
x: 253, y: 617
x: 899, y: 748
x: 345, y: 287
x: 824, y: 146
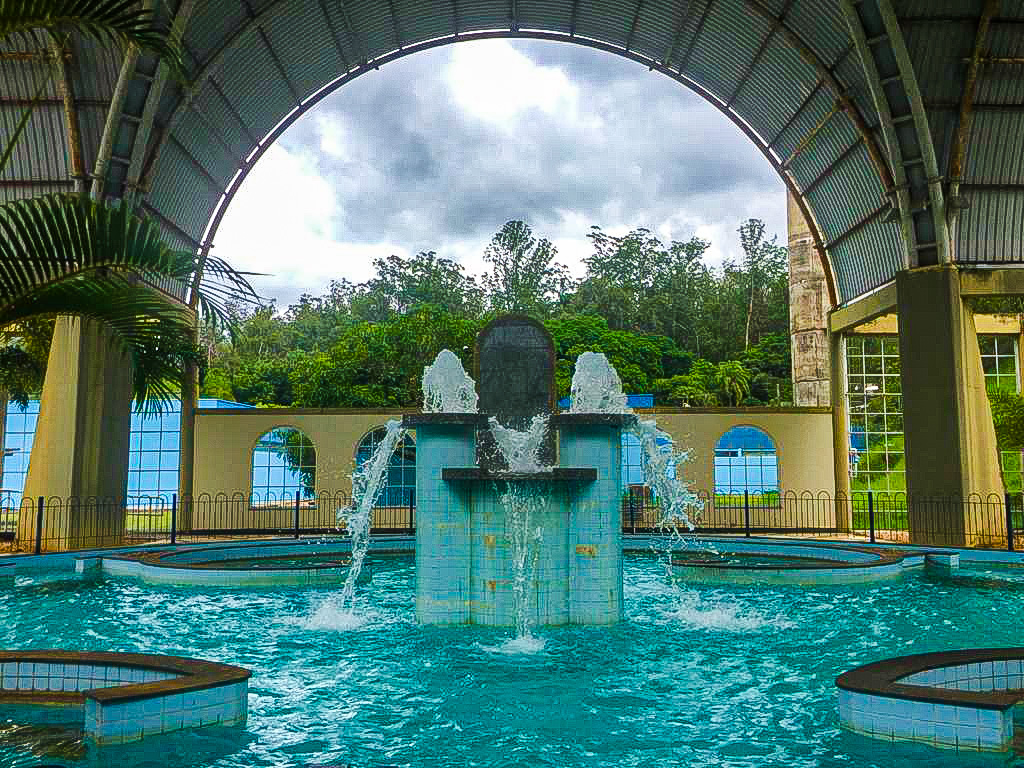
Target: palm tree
x: 733, y: 381
x: 67, y: 254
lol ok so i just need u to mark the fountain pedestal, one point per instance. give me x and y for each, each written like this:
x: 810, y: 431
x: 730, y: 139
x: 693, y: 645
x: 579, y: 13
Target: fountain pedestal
x: 465, y: 533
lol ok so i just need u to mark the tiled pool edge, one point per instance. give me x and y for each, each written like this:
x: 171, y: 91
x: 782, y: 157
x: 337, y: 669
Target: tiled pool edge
x: 127, y: 696
x: 960, y: 700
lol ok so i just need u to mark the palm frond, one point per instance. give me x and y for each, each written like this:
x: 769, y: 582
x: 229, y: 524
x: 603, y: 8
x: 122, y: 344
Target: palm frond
x: 155, y: 333
x: 109, y: 22
x: 64, y: 254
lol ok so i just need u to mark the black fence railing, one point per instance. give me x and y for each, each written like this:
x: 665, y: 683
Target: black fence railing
x: 57, y: 524
x: 991, y: 522
x: 50, y: 524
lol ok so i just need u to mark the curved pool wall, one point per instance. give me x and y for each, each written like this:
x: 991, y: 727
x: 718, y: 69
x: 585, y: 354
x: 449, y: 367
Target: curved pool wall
x: 199, y: 566
x: 962, y: 700
x: 125, y: 697
x: 846, y: 564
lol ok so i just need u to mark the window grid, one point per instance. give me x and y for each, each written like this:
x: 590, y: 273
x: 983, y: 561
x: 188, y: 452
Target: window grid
x: 746, y: 461
x: 283, y: 463
x: 18, y: 438
x: 1001, y: 364
x: 400, y: 486
x: 153, y: 455
x: 875, y: 413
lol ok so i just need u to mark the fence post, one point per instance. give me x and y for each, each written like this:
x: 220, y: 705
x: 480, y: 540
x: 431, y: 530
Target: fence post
x: 412, y: 507
x: 297, y: 514
x: 871, y: 516
x: 746, y: 512
x: 1009, y: 524
x: 174, y: 518
x: 632, y: 510
x: 39, y: 525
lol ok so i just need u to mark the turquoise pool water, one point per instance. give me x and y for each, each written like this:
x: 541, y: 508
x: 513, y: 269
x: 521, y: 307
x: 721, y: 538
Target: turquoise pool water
x: 712, y: 676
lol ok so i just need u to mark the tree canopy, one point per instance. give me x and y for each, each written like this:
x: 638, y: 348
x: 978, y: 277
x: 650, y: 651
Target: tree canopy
x: 670, y: 323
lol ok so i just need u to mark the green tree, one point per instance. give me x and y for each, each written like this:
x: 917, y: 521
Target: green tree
x: 732, y: 381
x: 524, y: 276
x: 403, y: 284
x: 764, y: 270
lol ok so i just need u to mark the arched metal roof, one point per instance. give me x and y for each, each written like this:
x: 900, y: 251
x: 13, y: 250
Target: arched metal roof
x: 898, y: 124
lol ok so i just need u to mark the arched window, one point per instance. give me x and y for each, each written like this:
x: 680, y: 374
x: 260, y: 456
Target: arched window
x: 283, y: 462
x: 401, y: 481
x: 745, y: 460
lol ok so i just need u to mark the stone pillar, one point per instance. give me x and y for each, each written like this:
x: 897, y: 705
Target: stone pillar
x: 808, y: 313
x: 954, y: 484
x: 80, y: 453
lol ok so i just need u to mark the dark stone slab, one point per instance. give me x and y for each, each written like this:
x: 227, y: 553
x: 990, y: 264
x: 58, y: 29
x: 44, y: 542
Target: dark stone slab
x: 589, y: 419
x: 413, y: 420
x: 515, y: 375
x: 558, y: 474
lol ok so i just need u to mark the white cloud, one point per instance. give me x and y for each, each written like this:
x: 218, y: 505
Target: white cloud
x: 493, y: 81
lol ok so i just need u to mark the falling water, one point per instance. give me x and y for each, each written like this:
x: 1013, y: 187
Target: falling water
x: 447, y: 388
x: 367, y: 482
x: 523, y: 504
x: 596, y: 388
x: 521, y: 449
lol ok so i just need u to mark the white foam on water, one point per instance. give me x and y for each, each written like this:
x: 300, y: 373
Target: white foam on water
x: 524, y: 645
x: 723, y: 616
x: 447, y: 388
x: 332, y: 616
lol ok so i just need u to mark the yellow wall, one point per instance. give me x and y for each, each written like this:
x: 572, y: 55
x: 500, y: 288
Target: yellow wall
x: 225, y: 439
x: 803, y: 442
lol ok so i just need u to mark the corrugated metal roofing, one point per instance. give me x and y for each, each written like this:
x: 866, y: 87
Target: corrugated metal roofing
x: 771, y: 61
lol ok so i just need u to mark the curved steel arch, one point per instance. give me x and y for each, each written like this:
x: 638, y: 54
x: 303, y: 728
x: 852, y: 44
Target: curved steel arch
x: 218, y: 209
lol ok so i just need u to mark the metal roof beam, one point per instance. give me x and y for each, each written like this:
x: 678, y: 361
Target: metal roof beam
x: 349, y: 28
x: 831, y: 167
x: 633, y: 23
x: 335, y: 37
x: 859, y: 225
x: 745, y: 77
x: 677, y: 35
x: 396, y: 25
x: 696, y: 35
x: 958, y: 151
x: 513, y: 15
x: 572, y: 17
x: 809, y: 137
x: 792, y: 118
x: 214, y: 185
x: 175, y: 228
x: 279, y: 65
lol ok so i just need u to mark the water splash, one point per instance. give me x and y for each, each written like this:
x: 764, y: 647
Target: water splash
x: 723, y: 615
x: 367, y: 482
x: 447, y: 388
x: 521, y: 449
x: 523, y: 504
x: 596, y: 387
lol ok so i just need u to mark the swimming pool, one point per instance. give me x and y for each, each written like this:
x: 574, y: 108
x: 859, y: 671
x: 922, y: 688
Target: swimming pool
x: 737, y: 676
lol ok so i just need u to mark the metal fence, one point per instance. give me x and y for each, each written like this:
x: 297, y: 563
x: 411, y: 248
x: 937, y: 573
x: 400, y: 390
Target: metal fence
x: 50, y: 524
x: 991, y: 522
x: 59, y: 524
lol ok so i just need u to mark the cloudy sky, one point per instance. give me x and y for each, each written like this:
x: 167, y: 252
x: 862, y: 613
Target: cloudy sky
x: 437, y: 150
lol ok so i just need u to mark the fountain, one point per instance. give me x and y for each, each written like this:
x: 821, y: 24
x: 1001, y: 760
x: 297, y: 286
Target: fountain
x: 518, y: 520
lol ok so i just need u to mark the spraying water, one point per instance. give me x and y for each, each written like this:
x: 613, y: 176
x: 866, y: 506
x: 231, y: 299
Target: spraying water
x: 367, y: 481
x: 447, y: 388
x: 521, y: 449
x: 596, y: 387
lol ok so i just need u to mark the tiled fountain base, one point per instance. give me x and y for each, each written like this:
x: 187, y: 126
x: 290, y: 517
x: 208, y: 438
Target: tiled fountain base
x: 957, y: 699
x: 127, y: 696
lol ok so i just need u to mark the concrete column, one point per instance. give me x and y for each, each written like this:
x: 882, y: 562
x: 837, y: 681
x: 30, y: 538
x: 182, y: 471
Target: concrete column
x: 187, y: 446
x: 80, y: 451
x: 840, y: 431
x: 954, y: 484
x: 808, y: 313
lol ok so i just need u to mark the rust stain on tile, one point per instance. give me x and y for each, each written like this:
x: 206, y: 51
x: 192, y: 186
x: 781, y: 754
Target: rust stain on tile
x: 586, y: 549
